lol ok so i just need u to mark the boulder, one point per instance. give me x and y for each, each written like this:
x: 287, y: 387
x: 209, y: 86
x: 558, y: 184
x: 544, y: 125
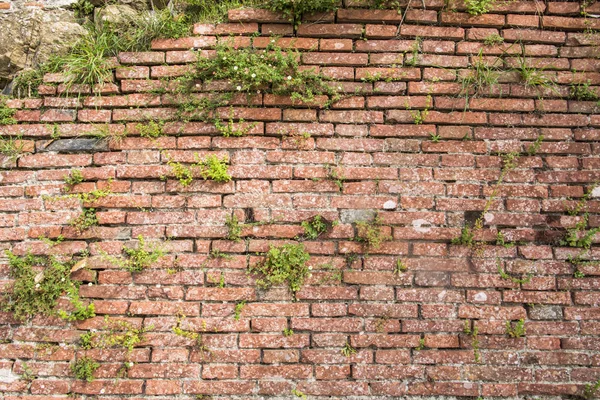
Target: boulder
x: 115, y: 14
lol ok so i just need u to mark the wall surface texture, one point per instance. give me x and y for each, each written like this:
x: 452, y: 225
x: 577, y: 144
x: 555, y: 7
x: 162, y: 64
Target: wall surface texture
x: 523, y: 156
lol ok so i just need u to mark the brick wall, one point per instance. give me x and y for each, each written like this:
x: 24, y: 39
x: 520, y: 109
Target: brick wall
x: 408, y: 329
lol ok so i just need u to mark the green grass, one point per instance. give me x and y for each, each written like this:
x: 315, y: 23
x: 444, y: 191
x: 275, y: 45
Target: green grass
x: 7, y: 115
x: 284, y: 264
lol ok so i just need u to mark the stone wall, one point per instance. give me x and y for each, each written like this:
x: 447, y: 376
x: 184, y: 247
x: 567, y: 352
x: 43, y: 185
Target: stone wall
x: 402, y: 142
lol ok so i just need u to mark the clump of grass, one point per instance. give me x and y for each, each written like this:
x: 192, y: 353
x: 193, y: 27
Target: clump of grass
x: 39, y: 281
x: 474, y: 333
x: 583, y: 92
x: 371, y: 232
x: 515, y: 330
x: 284, y: 264
x: 493, y: 39
x: 11, y: 147
x: 7, y: 115
x: 481, y: 77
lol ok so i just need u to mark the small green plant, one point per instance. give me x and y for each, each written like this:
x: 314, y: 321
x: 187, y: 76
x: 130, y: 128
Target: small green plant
x: 84, y: 368
x: 535, y: 146
x: 11, y: 147
x: 137, y: 258
x: 591, y: 390
x: 578, y: 274
x: 7, y: 115
x: 435, y: 137
x: 284, y: 264
x: 583, y: 92
x: 481, y: 77
x: 27, y: 375
x: 335, y: 176
x: 36, y: 291
x: 493, y: 39
x: 299, y: 394
x: 239, y: 307
x: 501, y: 241
x: 582, y: 204
x: 85, y: 220
x: 579, y: 236
x: 474, y: 333
x: 230, y: 128
x: 197, y: 337
x: 421, y: 345
x: 183, y: 174
x: 314, y: 227
x: 415, y: 50
x: 515, y: 330
x: 27, y: 81
x: 75, y: 177
x: 371, y: 233
x: 213, y: 168
x: 151, y: 129
x: 533, y: 77
x: 287, y: 332
x: 293, y: 10
x: 115, y: 334
x: 82, y: 8
x: 504, y: 275
x: 420, y: 115
x: 466, y: 238
x: 400, y: 267
x: 479, y: 7
x: 234, y: 228
x: 348, y: 350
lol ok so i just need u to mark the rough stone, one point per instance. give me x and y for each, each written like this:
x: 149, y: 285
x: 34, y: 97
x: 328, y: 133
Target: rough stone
x: 76, y: 145
x: 116, y: 14
x: 545, y: 312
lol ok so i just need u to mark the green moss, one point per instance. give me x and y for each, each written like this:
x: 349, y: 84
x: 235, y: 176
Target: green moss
x: 39, y: 281
x: 284, y: 264
x: 84, y: 368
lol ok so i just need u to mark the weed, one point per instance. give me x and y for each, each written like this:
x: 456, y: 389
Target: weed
x: 26, y: 83
x: 493, y: 39
x: 420, y: 115
x: 82, y: 8
x: 533, y: 77
x: 28, y: 374
x: 578, y: 274
x: 116, y: 334
x: 348, y: 350
x: 234, y: 228
x: 39, y: 281
x: 293, y: 10
x: 481, y: 77
x: 435, y: 138
x: 400, y: 267
x: 182, y: 173
x: 371, y: 232
x: 213, y: 168
x: 535, y: 146
x: 515, y: 330
x: 582, y: 204
x: 85, y: 220
x: 314, y: 227
x: 421, y: 345
x: 504, y: 275
x: 415, y: 49
x: 466, y: 238
x: 298, y: 393
x: 250, y: 70
x: 284, y: 264
x: 579, y: 236
x: 75, y: 177
x: 239, y: 307
x: 501, y: 241
x: 479, y: 7
x: 84, y: 368
x: 7, y: 115
x: 582, y: 92
x: 474, y: 333
x: 103, y: 132
x: 12, y: 148
x: 230, y: 128
x: 197, y: 337
x: 591, y: 391
x: 137, y: 258
x: 335, y: 176
x: 287, y: 332
x: 151, y: 129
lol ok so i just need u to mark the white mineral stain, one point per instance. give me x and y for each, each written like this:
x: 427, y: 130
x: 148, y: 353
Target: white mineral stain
x: 418, y: 225
x: 480, y: 297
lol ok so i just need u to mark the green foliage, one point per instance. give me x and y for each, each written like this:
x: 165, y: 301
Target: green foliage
x: 7, y: 115
x: 234, y: 228
x: 474, y: 333
x: 582, y: 204
x: 230, y: 128
x: 284, y: 264
x: 515, y: 330
x: 583, y: 92
x: 535, y: 147
x: 421, y: 345
x: 137, y: 258
x: 197, y: 337
x: 26, y: 83
x: 579, y: 236
x: 82, y: 8
x: 85, y: 220
x: 415, y: 50
x: 400, y: 267
x: 293, y: 10
x: 75, y: 177
x: 420, y: 115
x: 84, y: 368
x: 214, y: 168
x: 287, y: 332
x: 298, y: 393
x: 479, y: 7
x: 371, y: 232
x: 39, y: 281
x: 239, y: 307
x: 501, y: 241
x: 12, y: 148
x: 591, y: 390
x: 534, y: 77
x: 151, y: 129
x: 348, y: 350
x: 250, y: 70
x: 314, y: 227
x: 435, y: 138
x: 182, y: 173
x: 493, y: 39
x: 504, y: 275
x: 210, y: 11
x: 466, y: 238
x: 115, y: 334
x: 335, y: 176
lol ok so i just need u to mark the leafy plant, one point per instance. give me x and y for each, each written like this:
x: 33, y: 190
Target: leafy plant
x: 535, y: 147
x: 371, y: 232
x: 197, y: 337
x: 466, y: 238
x: 515, y: 330
x: 479, y: 7
x: 287, y: 332
x: 230, y: 128
x: 504, y: 275
x: 501, y: 241
x: 75, y: 177
x: 400, y: 267
x: 284, y: 264
x: 293, y: 10
x: 335, y: 176
x: 474, y: 333
x: 251, y: 70
x: 85, y: 220
x: 314, y: 227
x: 39, y: 281
x: 137, y: 258
x: 435, y: 137
x: 115, y: 334
x: 591, y: 390
x: 12, y: 148
x: 182, y: 173
x: 82, y: 8
x: 493, y: 39
x: 420, y: 115
x: 84, y: 368
x: 415, y: 49
x: 7, y: 115
x: 421, y: 345
x: 234, y: 228
x: 151, y: 129
x: 579, y: 236
x: 348, y: 350
x: 583, y: 92
x: 214, y: 168
x: 239, y: 307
